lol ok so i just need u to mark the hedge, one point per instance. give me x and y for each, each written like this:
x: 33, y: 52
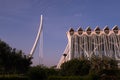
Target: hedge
x: 63, y: 78
x: 13, y: 77
x: 88, y: 77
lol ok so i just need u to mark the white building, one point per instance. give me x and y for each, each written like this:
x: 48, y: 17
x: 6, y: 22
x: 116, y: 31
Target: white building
x: 99, y: 42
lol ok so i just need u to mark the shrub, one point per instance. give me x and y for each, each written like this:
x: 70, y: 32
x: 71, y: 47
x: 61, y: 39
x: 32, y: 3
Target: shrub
x: 88, y: 77
x: 13, y: 77
x: 37, y: 73
x: 75, y: 67
x: 64, y: 78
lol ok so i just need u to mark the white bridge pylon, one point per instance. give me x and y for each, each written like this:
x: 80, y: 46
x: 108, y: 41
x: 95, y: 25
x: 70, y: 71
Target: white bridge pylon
x: 37, y: 37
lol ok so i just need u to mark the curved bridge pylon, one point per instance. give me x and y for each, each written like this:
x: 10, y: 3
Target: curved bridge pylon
x: 37, y: 37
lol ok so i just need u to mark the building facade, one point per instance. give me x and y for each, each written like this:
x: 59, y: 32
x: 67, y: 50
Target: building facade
x: 85, y: 43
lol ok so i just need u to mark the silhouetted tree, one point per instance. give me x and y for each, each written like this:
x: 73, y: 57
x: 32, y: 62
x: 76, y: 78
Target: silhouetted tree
x: 12, y: 60
x: 75, y: 67
x: 37, y: 73
x: 98, y: 64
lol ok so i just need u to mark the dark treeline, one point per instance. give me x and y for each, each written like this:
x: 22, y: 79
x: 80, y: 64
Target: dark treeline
x: 12, y: 60
x: 78, y: 69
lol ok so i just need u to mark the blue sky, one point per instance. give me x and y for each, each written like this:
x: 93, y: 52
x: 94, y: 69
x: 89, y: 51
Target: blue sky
x: 19, y: 22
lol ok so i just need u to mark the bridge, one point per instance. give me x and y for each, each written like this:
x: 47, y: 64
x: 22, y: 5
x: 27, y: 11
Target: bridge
x: 39, y: 34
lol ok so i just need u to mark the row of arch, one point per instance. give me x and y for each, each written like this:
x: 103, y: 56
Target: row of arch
x: 97, y: 30
x: 85, y: 43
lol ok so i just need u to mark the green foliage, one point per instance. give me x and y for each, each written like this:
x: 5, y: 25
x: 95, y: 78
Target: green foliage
x: 73, y: 70
x: 37, y: 73
x: 99, y: 64
x: 96, y: 67
x: 52, y: 72
x: 12, y: 60
x: 108, y: 74
x: 13, y: 77
x: 118, y: 74
x: 41, y: 72
x: 88, y: 77
x: 75, y: 67
x: 106, y: 68
x: 64, y: 78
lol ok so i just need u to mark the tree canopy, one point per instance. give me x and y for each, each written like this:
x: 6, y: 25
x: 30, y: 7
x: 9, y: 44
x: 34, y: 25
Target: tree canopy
x: 75, y: 67
x: 13, y: 60
x: 83, y: 66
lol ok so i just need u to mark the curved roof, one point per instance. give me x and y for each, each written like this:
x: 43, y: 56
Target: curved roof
x: 80, y: 31
x: 88, y: 30
x: 115, y: 29
x: 106, y: 29
x: 71, y: 31
x: 97, y: 30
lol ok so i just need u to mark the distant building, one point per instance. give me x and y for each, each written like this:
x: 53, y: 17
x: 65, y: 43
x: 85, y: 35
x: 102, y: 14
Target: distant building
x: 86, y: 43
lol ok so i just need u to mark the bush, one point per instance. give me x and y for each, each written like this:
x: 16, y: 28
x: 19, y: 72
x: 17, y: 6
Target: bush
x: 118, y: 74
x: 52, y: 72
x: 75, y: 67
x: 37, y: 73
x: 109, y: 74
x: 13, y: 77
x: 88, y: 77
x: 64, y: 78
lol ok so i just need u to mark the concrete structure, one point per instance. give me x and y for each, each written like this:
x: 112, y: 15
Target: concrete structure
x: 37, y: 39
x: 99, y: 42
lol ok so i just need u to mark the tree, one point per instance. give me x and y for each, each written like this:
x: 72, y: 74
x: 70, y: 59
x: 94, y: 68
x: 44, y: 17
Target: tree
x: 98, y: 64
x: 12, y: 60
x: 37, y: 73
x: 75, y: 67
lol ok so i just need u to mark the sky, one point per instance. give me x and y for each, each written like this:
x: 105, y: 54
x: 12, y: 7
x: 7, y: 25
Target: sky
x: 19, y: 23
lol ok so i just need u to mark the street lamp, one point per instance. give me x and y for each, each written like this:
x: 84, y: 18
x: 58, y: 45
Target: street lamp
x: 64, y: 56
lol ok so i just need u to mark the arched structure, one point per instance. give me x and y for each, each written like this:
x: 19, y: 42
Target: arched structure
x: 37, y: 37
x: 99, y: 42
